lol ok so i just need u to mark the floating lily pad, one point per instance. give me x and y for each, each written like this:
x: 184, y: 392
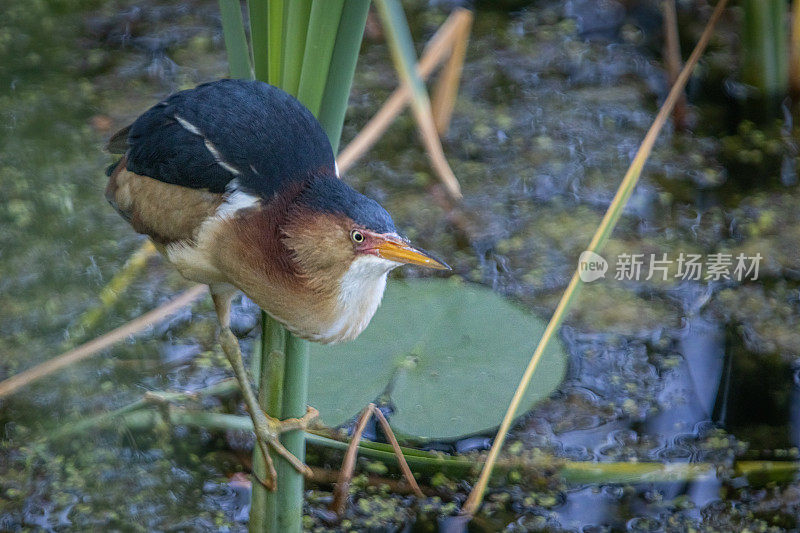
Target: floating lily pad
x: 449, y: 354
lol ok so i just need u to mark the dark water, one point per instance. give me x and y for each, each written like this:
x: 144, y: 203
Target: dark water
x: 553, y: 105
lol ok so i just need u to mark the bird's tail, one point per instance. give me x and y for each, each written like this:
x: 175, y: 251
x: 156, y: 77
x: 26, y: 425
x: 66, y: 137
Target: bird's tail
x: 118, y: 143
x: 112, y: 167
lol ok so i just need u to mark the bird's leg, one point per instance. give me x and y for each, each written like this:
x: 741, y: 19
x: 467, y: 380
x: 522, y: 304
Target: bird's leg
x: 267, y: 428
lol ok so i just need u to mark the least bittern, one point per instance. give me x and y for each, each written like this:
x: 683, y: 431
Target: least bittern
x: 236, y: 184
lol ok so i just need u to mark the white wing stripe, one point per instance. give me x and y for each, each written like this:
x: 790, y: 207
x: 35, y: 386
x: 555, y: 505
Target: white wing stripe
x: 188, y: 126
x: 191, y: 128
x: 218, y: 158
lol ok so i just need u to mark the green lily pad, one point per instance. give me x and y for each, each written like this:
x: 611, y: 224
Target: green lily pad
x: 449, y: 354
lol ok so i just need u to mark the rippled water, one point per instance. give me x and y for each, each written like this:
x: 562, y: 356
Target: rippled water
x: 554, y: 102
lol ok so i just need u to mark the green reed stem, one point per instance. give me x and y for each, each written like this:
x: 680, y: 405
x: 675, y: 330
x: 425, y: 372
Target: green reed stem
x: 765, y: 44
x: 276, y: 40
x: 323, y: 23
x: 431, y: 463
x: 267, y: 31
x: 295, y: 396
x: 258, y: 12
x: 297, y: 13
x: 342, y: 68
x: 235, y: 39
x: 264, y: 503
x: 293, y: 47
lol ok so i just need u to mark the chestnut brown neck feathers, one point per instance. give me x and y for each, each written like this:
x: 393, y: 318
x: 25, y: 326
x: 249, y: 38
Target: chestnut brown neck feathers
x: 299, y: 264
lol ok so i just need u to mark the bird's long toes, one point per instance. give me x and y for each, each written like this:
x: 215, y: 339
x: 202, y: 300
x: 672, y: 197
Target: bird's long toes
x: 296, y: 463
x: 303, y: 422
x: 268, y: 484
x: 311, y: 414
x: 268, y: 437
x: 278, y: 426
x: 271, y: 482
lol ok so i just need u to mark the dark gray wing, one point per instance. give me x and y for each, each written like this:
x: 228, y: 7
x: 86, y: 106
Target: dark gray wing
x: 228, y: 129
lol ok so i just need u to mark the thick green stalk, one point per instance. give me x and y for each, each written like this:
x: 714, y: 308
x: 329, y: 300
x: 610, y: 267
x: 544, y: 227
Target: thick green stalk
x: 323, y: 24
x: 258, y: 11
x: 276, y: 39
x: 765, y: 45
x: 235, y: 39
x: 794, y: 51
x: 266, y: 23
x: 295, y: 396
x: 264, y: 503
x: 342, y: 69
x: 779, y: 15
x: 297, y: 13
x: 256, y: 357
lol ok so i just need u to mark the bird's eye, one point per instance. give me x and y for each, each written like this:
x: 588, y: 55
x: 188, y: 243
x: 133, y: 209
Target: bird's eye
x: 357, y: 236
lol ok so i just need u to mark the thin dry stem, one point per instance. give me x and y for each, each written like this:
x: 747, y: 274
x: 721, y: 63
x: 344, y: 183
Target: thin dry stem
x: 433, y: 147
x: 113, y: 290
x: 342, y: 489
x: 95, y: 346
x: 601, y: 235
x: 672, y: 58
x: 401, y: 459
x: 435, y: 52
x: 446, y: 91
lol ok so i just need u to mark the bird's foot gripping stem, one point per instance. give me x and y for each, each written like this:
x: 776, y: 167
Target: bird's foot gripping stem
x: 267, y: 428
x: 268, y: 431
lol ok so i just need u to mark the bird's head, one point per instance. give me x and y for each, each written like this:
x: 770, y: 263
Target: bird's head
x: 341, y: 239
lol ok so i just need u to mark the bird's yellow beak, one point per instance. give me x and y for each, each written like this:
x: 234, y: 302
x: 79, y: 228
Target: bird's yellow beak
x: 402, y: 252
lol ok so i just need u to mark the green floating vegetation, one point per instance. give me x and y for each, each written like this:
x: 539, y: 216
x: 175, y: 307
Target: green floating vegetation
x: 431, y: 345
